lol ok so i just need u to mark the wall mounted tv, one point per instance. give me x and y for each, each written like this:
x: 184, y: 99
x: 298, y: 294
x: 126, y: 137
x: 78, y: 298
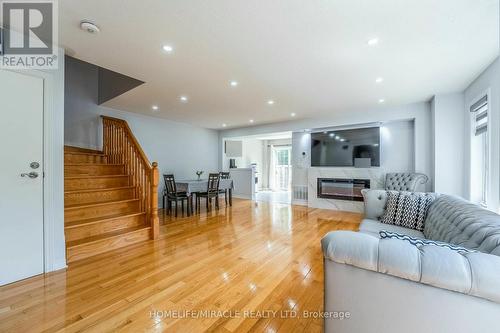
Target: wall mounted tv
x: 346, y: 148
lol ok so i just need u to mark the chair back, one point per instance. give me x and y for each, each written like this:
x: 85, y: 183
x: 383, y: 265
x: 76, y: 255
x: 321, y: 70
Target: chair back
x: 213, y: 182
x: 225, y: 175
x: 170, y: 184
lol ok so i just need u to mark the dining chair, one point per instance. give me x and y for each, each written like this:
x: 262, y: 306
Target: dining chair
x: 224, y: 175
x: 211, y: 193
x: 172, y: 195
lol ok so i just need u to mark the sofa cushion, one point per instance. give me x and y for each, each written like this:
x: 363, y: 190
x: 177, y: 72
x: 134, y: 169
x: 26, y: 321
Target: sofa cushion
x: 418, y: 242
x: 374, y: 227
x: 476, y: 274
x: 407, y: 209
x: 456, y: 221
x: 375, y: 202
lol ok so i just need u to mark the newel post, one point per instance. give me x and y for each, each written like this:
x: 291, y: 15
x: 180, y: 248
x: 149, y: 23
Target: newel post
x: 155, y: 221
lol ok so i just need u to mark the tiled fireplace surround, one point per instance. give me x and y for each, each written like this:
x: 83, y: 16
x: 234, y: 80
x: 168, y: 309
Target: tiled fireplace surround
x: 375, y: 175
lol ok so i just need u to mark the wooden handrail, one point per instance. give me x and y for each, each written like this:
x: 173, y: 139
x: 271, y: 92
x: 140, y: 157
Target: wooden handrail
x: 121, y: 147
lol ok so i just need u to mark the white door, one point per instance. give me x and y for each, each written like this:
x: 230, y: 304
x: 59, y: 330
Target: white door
x: 21, y: 181
x: 281, y: 168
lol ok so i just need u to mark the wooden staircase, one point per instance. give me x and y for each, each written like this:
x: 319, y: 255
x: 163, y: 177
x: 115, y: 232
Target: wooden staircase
x: 110, y: 195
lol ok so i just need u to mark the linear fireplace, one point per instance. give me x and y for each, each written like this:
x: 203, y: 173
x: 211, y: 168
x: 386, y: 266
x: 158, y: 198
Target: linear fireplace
x: 342, y: 189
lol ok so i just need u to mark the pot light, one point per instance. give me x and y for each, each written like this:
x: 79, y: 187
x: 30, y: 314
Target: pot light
x: 379, y: 80
x: 183, y: 99
x: 224, y: 125
x: 233, y: 83
x: 167, y: 48
x: 332, y: 135
x: 372, y: 41
x: 251, y: 121
x: 380, y: 101
x: 270, y: 102
x: 155, y: 108
x: 293, y: 114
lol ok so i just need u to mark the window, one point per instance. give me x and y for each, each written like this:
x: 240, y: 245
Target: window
x: 281, y: 168
x: 479, y: 151
x: 283, y: 156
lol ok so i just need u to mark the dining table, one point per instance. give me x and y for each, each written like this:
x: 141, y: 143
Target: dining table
x: 193, y: 186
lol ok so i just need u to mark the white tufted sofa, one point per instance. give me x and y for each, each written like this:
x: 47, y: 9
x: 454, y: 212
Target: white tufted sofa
x: 390, y: 285
x: 404, y: 181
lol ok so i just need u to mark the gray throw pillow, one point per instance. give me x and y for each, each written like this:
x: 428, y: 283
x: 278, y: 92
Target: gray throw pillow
x: 407, y: 209
x: 375, y: 201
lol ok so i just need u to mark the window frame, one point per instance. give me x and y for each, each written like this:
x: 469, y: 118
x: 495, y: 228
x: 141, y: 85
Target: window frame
x: 486, y: 147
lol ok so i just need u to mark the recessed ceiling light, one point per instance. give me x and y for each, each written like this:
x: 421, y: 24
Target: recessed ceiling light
x: 183, y: 99
x: 372, y: 42
x: 251, y: 120
x: 332, y: 135
x: 381, y: 100
x: 224, y: 125
x: 233, y: 83
x: 270, y: 102
x: 293, y: 114
x: 155, y: 107
x: 379, y: 80
x: 167, y: 48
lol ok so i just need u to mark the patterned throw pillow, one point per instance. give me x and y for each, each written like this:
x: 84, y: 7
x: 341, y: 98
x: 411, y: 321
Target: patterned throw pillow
x: 419, y: 242
x: 407, y: 209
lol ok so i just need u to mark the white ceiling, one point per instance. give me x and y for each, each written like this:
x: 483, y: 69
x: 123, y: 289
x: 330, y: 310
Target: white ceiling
x: 311, y: 57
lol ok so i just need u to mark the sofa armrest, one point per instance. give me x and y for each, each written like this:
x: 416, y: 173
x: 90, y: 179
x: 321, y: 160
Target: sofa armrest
x: 475, y: 274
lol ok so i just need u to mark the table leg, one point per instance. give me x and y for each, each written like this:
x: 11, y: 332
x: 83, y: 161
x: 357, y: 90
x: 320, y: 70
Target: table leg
x: 230, y: 197
x: 191, y: 203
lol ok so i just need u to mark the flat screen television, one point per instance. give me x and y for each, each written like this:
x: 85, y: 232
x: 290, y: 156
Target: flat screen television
x: 346, y: 148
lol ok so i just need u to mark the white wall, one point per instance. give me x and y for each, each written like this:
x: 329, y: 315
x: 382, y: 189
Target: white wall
x: 55, y: 242
x: 419, y: 113
x: 448, y: 123
x: 487, y: 82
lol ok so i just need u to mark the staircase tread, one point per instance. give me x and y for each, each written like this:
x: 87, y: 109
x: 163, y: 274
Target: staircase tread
x: 83, y: 153
x: 98, y: 164
x: 100, y: 237
x: 94, y: 176
x: 100, y: 219
x: 99, y: 189
x: 100, y: 203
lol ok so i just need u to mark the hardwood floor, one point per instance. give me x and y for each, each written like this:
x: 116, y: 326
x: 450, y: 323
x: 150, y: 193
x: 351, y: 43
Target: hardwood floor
x: 254, y: 256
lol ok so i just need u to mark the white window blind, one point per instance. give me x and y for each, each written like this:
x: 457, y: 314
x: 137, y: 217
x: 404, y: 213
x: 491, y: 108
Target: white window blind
x: 480, y: 151
x: 480, y: 110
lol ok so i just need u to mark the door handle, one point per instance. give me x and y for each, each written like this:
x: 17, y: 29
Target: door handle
x: 30, y: 175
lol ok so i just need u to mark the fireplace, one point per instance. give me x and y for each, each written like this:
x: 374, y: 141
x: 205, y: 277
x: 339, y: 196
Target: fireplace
x: 342, y: 189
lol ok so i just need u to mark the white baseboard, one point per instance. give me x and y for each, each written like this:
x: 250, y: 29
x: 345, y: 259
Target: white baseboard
x: 57, y: 266
x: 242, y: 196
x: 299, y: 202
